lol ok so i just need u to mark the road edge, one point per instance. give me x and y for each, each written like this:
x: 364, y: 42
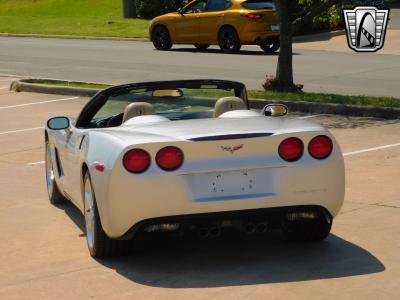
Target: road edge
x: 296, y: 39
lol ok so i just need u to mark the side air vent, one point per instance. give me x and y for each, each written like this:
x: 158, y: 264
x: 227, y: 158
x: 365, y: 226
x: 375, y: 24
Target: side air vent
x: 230, y: 137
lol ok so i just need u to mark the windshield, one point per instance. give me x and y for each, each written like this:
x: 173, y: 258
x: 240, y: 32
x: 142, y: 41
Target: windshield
x: 174, y: 103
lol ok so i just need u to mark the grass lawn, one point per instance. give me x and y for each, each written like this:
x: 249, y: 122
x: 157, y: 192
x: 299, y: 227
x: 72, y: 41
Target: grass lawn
x: 326, y: 98
x: 66, y: 17
x: 74, y: 84
x: 256, y: 94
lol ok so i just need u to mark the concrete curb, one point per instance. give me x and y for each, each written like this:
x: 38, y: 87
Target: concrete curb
x: 52, y: 36
x: 296, y: 39
x: 317, y: 36
x: 32, y: 85
x: 334, y: 109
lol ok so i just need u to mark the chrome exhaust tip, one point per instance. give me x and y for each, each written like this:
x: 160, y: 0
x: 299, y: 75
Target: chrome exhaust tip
x: 215, y: 231
x: 203, y: 232
x: 262, y: 227
x: 250, y: 228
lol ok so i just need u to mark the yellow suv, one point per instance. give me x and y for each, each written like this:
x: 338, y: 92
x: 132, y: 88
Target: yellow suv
x: 227, y: 23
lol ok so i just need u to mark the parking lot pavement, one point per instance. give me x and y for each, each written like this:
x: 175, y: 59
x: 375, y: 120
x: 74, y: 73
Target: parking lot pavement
x: 43, y: 253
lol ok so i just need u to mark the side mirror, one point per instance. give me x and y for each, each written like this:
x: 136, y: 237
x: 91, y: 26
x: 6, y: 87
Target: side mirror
x: 180, y: 10
x: 275, y: 110
x: 58, y: 123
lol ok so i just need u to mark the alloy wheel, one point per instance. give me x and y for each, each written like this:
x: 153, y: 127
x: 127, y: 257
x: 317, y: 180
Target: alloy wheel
x: 89, y: 214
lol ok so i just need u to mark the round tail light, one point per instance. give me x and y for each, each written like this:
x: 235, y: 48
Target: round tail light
x: 320, y: 147
x: 136, y: 160
x: 291, y: 149
x: 169, y: 158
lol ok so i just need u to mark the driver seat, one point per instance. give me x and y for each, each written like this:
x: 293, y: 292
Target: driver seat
x: 226, y: 104
x: 137, y: 109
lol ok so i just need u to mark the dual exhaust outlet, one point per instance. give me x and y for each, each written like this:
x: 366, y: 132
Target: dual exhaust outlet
x: 250, y: 227
x: 209, y: 232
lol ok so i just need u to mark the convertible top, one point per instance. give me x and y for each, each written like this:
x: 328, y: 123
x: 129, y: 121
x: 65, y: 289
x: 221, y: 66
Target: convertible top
x: 197, y: 83
x: 101, y: 97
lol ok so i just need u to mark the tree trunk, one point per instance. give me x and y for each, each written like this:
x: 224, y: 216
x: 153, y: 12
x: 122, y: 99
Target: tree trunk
x: 284, y: 71
x: 129, y: 9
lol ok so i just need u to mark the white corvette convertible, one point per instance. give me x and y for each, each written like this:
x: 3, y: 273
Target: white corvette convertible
x: 177, y: 156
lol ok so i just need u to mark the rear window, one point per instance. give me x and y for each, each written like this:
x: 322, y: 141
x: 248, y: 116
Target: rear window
x: 258, y: 4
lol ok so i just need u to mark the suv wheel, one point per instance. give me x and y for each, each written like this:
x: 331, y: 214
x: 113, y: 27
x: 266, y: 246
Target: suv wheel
x: 228, y: 40
x: 270, y: 45
x: 161, y: 39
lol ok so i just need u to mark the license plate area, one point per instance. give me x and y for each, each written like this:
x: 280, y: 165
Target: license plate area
x: 275, y: 27
x: 233, y: 185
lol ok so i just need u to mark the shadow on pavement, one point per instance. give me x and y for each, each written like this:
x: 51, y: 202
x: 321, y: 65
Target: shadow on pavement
x: 234, y: 260
x: 341, y: 122
x: 74, y: 214
x: 217, y: 51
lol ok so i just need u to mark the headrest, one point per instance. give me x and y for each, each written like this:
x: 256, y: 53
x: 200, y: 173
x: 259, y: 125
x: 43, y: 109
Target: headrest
x: 137, y: 109
x: 226, y: 104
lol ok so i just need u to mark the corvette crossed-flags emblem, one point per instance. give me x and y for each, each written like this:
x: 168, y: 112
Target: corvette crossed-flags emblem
x: 232, y: 149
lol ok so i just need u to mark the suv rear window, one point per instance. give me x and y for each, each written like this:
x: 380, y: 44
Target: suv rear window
x: 258, y: 4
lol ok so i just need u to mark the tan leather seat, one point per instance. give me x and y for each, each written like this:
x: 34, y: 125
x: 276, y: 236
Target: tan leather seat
x: 226, y: 104
x: 137, y: 109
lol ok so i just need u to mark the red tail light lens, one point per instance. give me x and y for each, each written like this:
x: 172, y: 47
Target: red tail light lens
x: 252, y: 16
x: 169, y: 158
x: 320, y: 147
x: 136, y: 160
x: 291, y: 149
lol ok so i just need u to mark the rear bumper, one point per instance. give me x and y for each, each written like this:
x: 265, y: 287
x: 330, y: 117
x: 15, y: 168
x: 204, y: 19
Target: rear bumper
x: 130, y: 201
x: 248, y: 182
x: 251, y: 35
x: 274, y: 217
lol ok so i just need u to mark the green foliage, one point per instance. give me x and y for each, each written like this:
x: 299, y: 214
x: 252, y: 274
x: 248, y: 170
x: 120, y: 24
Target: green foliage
x: 149, y: 9
x: 329, y: 20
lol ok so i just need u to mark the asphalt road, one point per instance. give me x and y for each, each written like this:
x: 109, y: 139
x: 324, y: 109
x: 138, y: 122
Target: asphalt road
x: 43, y: 252
x: 394, y: 22
x: 127, y: 61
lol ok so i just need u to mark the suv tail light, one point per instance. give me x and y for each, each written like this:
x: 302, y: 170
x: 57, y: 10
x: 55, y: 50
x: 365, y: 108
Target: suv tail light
x: 169, y: 158
x: 252, y: 16
x: 136, y: 160
x: 291, y: 149
x: 320, y: 147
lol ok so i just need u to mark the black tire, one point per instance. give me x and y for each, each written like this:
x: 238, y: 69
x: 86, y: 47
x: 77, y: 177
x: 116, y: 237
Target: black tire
x: 161, y: 38
x: 201, y: 47
x: 270, y: 45
x: 99, y: 244
x: 228, y: 40
x: 55, y: 196
x: 307, y: 230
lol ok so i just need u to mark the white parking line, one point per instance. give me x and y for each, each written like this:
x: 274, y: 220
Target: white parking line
x: 313, y: 116
x: 21, y: 130
x: 41, y: 102
x: 36, y: 163
x: 371, y: 149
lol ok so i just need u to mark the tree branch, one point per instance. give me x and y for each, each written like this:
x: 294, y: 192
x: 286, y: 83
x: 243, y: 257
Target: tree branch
x: 313, y: 12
